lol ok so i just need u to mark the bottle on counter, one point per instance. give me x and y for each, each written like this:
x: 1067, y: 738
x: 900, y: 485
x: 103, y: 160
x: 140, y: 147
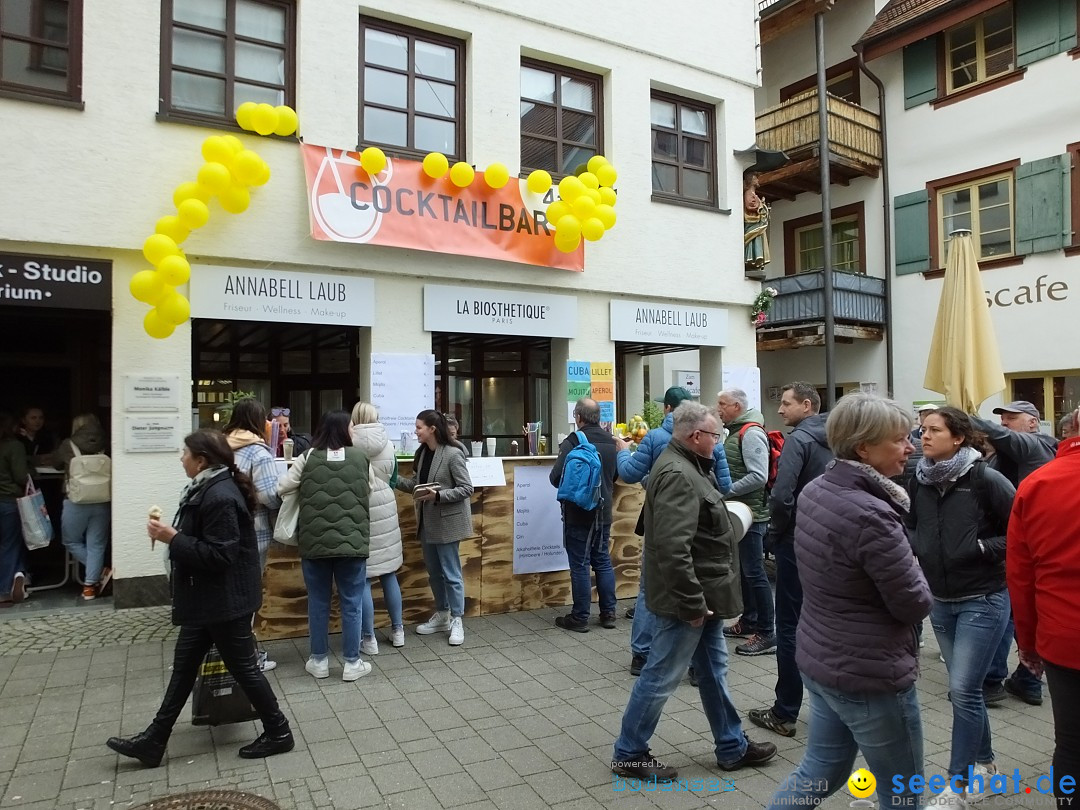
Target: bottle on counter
x: 514, y: 447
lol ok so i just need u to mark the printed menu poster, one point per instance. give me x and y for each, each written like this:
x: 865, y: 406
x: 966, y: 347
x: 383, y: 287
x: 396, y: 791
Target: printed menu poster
x: 402, y: 385
x: 538, y: 544
x: 594, y: 380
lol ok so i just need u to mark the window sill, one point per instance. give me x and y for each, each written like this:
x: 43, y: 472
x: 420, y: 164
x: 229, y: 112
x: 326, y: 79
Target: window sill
x: 979, y: 89
x: 40, y: 98
x: 684, y: 203
x: 218, y: 123
x: 1074, y: 53
x: 1072, y: 250
x: 985, y: 264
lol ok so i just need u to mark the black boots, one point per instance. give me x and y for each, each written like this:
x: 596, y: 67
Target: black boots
x: 145, y: 746
x: 269, y: 744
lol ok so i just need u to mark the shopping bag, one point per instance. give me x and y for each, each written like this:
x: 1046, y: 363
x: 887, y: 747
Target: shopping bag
x: 288, y: 518
x: 217, y: 698
x: 37, y: 529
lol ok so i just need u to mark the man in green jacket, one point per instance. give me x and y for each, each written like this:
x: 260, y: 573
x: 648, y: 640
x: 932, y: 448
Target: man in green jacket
x: 691, y: 585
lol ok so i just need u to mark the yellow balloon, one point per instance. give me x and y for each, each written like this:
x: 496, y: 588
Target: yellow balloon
x: 583, y: 206
x: 174, y: 270
x: 194, y: 213
x: 557, y: 210
x: 568, y: 225
x: 189, y: 191
x: 216, y: 149
x: 288, y: 121
x: 373, y: 159
x: 435, y: 165
x: 264, y: 175
x: 607, y: 175
x: 157, y: 247
x: 246, y: 167
x: 594, y: 195
x: 567, y: 244
x: 588, y: 179
x: 595, y: 162
x: 462, y: 174
x: 264, y: 119
x: 538, y: 181
x: 592, y: 229
x: 147, y: 286
x: 172, y: 227
x: 245, y: 114
x: 235, y: 199
x: 214, y: 176
x: 496, y: 175
x: 570, y: 188
x: 174, y: 309
x: 235, y: 144
x: 606, y: 214
x: 156, y: 326
x: 607, y: 196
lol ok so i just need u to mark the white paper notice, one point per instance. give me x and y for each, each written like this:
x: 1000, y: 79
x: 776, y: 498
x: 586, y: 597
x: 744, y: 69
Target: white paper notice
x: 152, y: 434
x: 748, y: 378
x: 538, y: 544
x: 486, y: 472
x: 402, y: 385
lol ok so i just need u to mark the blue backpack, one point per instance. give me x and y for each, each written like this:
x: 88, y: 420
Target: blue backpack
x: 580, y: 482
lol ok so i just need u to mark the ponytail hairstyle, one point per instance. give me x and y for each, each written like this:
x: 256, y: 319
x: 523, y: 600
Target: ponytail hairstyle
x: 433, y: 419
x: 247, y: 414
x: 213, y: 447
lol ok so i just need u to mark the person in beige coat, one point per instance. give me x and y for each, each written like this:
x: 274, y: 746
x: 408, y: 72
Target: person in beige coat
x: 384, y: 557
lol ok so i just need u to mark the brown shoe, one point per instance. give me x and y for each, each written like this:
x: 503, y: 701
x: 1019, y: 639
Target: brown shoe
x: 89, y: 592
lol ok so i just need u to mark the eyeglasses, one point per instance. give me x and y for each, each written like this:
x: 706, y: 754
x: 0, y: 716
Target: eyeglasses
x: 279, y: 411
x: 716, y: 436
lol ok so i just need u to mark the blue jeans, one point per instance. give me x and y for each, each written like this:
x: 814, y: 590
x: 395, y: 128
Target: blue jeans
x: 349, y: 574
x: 968, y: 633
x: 999, y: 668
x: 84, y: 528
x: 443, y: 563
x: 885, y: 726
x: 12, y: 548
x: 756, y: 592
x: 391, y: 595
x: 675, y: 645
x: 789, y: 687
x: 641, y: 631
x: 589, y: 546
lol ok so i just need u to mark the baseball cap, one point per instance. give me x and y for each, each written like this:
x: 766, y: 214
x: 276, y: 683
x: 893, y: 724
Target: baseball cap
x: 1019, y: 406
x: 676, y: 395
x: 927, y: 406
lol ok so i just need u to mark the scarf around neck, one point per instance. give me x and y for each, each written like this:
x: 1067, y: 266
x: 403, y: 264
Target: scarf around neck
x: 938, y: 473
x: 896, y: 493
x: 194, y: 487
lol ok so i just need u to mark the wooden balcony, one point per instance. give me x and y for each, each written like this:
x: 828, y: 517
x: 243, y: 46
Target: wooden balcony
x: 797, y: 317
x: 792, y: 127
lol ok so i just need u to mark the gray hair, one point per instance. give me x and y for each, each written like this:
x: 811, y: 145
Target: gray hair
x: 738, y: 395
x: 688, y: 417
x: 861, y: 418
x: 588, y: 411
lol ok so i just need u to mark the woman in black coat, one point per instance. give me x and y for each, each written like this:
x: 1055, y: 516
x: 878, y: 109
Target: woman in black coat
x: 216, y: 588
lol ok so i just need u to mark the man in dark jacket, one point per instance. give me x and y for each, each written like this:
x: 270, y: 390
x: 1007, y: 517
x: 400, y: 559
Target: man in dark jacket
x: 691, y: 585
x: 1020, y: 448
x: 587, y: 534
x: 805, y: 456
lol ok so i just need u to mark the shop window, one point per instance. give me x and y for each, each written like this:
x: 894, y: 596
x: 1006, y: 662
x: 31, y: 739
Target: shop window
x: 41, y: 49
x: 217, y: 54
x: 984, y: 207
x: 804, y: 242
x: 561, y: 120
x: 979, y: 49
x: 683, y: 150
x: 841, y: 80
x: 412, y: 90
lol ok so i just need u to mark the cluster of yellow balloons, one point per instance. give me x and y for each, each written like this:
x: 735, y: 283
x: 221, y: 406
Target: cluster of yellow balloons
x: 462, y: 174
x: 586, y: 204
x: 266, y: 119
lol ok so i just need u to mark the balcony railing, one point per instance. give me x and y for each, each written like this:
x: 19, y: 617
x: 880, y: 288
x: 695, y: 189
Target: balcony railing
x: 857, y: 299
x: 792, y: 127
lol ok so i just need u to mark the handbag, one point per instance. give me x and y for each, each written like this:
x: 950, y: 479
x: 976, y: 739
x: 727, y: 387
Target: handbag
x: 37, y: 528
x: 89, y: 477
x: 288, y: 519
x: 217, y: 698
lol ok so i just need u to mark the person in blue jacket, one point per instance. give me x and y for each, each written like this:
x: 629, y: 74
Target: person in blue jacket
x: 634, y: 468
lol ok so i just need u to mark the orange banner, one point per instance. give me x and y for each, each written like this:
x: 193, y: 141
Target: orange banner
x: 403, y: 207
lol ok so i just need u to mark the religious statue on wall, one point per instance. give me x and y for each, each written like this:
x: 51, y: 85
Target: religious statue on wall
x: 755, y: 227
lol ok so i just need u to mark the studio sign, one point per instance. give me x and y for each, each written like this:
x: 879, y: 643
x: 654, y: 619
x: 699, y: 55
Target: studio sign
x: 54, y: 281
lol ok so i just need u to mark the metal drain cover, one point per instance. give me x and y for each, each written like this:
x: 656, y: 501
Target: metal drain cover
x: 210, y: 800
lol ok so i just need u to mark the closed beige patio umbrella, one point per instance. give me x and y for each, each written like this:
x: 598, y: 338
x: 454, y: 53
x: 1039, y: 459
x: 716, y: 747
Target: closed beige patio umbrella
x: 964, y: 363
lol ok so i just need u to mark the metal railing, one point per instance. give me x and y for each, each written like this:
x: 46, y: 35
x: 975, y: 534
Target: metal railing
x: 857, y: 298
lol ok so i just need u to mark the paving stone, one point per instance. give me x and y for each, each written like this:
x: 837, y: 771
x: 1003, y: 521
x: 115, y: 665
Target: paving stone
x: 396, y: 777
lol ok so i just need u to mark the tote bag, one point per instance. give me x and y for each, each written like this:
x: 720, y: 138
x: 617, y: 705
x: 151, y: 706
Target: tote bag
x: 217, y: 698
x: 288, y: 519
x: 37, y: 529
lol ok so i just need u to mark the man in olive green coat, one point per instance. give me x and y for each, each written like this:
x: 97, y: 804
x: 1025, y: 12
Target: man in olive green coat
x: 691, y: 585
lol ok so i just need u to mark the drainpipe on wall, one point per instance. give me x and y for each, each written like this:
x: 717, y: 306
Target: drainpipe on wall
x: 886, y: 220
x: 826, y: 213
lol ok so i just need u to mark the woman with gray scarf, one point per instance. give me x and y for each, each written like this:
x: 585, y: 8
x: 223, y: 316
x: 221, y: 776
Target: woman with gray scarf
x: 959, y: 515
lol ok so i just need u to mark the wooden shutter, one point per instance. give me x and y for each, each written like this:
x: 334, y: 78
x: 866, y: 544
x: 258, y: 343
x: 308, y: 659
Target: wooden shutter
x: 911, y: 223
x: 1042, y: 205
x: 920, y: 72
x: 1044, y: 28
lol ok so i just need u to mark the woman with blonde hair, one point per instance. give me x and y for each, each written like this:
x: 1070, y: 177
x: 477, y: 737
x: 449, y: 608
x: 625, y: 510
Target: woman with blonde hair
x: 84, y: 526
x: 384, y: 553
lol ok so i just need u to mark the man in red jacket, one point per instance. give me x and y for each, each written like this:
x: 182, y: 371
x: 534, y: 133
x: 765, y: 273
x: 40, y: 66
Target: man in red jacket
x: 1043, y: 566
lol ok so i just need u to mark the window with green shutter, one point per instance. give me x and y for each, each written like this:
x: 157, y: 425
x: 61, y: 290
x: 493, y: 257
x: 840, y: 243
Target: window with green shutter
x: 920, y: 72
x: 1044, y: 28
x: 1042, y: 205
x: 911, y: 224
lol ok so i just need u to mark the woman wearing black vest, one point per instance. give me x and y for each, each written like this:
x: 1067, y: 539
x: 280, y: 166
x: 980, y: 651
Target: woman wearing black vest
x: 216, y: 588
x: 333, y: 539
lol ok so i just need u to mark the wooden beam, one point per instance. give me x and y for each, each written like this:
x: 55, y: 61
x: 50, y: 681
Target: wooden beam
x: 789, y: 171
x: 791, y: 17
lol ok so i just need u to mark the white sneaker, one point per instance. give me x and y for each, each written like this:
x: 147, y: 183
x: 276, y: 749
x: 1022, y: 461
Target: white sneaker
x: 318, y: 668
x: 356, y: 670
x: 397, y: 636
x: 948, y: 798
x: 457, y: 632
x: 985, y: 771
x: 438, y: 623
x: 265, y: 664
x: 369, y: 646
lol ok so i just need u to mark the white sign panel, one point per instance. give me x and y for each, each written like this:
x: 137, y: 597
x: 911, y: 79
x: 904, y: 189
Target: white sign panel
x: 402, y: 385
x: 747, y: 378
x: 152, y: 434
x: 667, y: 323
x: 538, y: 544
x: 144, y: 392
x: 486, y: 472
x: 246, y: 294
x: 690, y: 380
x: 498, y: 312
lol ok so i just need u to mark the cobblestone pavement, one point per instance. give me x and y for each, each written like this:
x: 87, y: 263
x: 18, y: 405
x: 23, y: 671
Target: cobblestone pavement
x: 522, y: 716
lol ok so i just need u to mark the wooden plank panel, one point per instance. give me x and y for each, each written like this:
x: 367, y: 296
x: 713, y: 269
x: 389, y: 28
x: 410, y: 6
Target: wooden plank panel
x: 500, y: 590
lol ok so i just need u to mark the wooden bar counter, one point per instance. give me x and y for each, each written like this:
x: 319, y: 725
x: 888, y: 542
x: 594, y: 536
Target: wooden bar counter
x: 487, y: 560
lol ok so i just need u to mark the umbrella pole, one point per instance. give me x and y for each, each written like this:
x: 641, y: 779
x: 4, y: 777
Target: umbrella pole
x: 826, y: 212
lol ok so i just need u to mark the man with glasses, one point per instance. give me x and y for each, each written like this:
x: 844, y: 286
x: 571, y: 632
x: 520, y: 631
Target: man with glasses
x: 690, y: 587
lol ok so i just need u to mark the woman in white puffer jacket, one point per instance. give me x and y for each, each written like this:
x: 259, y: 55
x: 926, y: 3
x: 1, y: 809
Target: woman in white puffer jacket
x: 384, y: 558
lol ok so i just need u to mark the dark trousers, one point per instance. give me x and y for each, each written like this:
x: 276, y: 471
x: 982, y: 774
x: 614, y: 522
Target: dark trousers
x: 789, y: 685
x: 1064, y: 686
x: 237, y: 647
x: 999, y: 668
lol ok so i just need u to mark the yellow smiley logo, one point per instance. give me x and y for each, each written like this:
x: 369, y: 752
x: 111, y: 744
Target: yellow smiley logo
x: 861, y: 783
